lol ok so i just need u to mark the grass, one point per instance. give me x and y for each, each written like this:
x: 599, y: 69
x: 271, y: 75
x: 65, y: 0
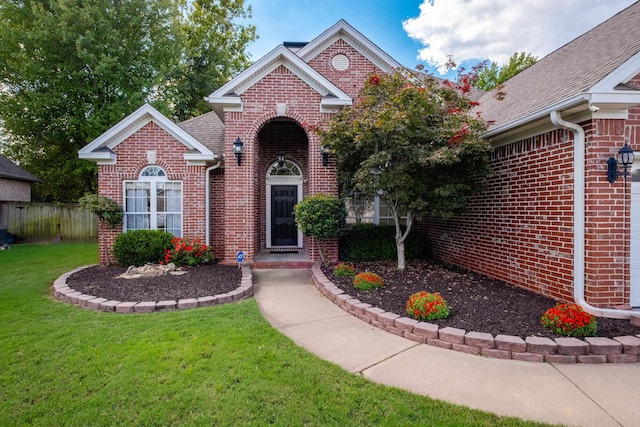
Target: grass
x: 225, y: 365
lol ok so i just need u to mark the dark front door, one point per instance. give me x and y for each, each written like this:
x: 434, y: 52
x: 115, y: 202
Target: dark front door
x: 283, y: 229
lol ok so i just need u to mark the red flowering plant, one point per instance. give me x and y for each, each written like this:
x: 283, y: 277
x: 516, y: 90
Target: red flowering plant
x: 344, y: 270
x: 425, y: 305
x: 570, y: 320
x: 187, y: 251
x: 367, y: 281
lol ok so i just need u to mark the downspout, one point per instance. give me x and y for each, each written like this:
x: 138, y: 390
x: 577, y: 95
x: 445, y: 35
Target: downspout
x: 579, y: 222
x: 208, y: 201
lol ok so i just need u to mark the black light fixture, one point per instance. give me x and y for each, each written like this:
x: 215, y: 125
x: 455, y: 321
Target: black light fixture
x: 281, y: 159
x: 238, y: 149
x: 625, y: 159
x: 324, y: 151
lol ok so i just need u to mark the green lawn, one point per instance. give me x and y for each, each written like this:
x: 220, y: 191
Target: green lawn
x: 65, y: 366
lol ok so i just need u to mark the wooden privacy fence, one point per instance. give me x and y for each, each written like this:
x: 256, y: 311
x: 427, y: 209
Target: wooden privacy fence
x: 46, y: 222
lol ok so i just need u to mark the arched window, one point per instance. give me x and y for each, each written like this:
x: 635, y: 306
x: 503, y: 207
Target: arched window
x: 153, y: 202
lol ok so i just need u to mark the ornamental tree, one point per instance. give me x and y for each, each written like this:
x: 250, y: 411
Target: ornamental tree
x: 321, y: 216
x: 415, y: 142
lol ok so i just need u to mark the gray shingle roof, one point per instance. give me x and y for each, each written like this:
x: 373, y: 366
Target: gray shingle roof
x: 10, y: 170
x: 568, y: 71
x: 208, y: 129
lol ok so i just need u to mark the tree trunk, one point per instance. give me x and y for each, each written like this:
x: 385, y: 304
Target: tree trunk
x: 401, y: 237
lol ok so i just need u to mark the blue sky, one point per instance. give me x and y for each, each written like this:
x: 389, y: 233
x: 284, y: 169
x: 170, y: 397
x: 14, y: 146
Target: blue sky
x: 469, y: 30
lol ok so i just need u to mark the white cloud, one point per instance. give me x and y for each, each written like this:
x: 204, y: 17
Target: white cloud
x: 495, y: 29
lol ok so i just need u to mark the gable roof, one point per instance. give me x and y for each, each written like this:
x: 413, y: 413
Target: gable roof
x: 295, y: 59
x: 10, y: 170
x: 364, y: 46
x: 100, y: 150
x: 208, y: 129
x: 586, y: 71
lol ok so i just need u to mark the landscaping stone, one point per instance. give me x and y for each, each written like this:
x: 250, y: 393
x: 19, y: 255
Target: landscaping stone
x: 601, y: 345
x: 495, y: 353
x: 479, y: 339
x: 206, y: 301
x: 622, y: 358
x: 359, y: 308
x: 541, y: 345
x: 125, y: 307
x: 592, y: 358
x: 452, y: 335
x: 109, y: 306
x: 405, y: 324
x: 387, y: 318
x: 373, y: 312
x: 463, y: 348
x: 560, y: 358
x: 187, y: 303
x: 427, y: 330
x: 94, y: 304
x: 510, y: 343
x: 572, y: 346
x: 630, y: 344
x: 166, y: 305
x: 527, y: 357
x: 438, y: 343
x: 145, y: 307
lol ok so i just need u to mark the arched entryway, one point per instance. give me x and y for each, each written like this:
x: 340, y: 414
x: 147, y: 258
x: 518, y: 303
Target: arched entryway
x: 284, y: 160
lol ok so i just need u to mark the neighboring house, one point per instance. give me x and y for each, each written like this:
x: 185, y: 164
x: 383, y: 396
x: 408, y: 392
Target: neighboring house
x: 15, y: 186
x: 185, y: 178
x: 549, y: 221
x: 15, y: 182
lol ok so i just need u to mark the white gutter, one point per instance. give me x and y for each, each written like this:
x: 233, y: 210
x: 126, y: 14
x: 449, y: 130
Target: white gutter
x: 208, y: 201
x: 579, y: 222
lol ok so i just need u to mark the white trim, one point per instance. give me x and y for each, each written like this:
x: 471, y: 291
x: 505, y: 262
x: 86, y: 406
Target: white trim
x: 342, y: 30
x: 228, y: 97
x: 271, y: 180
x: 101, y: 149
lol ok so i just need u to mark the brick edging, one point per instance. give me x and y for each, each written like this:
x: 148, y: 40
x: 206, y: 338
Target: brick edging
x: 532, y: 349
x: 64, y: 293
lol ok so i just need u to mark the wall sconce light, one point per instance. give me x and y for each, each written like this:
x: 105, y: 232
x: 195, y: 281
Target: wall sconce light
x: 324, y: 151
x: 281, y: 159
x: 625, y: 159
x: 238, y: 148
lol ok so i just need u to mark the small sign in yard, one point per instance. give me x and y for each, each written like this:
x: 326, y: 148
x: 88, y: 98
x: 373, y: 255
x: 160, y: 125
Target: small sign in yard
x: 240, y: 257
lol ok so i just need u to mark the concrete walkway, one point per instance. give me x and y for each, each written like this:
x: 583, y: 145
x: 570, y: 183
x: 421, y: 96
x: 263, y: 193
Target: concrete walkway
x: 569, y: 394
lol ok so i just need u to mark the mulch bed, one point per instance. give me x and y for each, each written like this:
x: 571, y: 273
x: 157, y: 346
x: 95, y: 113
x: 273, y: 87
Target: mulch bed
x: 477, y: 303
x: 200, y: 281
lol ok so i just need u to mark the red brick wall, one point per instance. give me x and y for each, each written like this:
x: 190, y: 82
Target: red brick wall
x: 520, y: 229
x: 259, y: 124
x: 132, y: 158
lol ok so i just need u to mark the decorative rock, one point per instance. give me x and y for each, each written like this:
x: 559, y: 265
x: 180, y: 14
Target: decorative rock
x: 149, y: 270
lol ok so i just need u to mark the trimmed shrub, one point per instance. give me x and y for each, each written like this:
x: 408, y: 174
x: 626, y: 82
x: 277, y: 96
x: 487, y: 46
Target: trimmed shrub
x: 139, y: 247
x: 370, y: 242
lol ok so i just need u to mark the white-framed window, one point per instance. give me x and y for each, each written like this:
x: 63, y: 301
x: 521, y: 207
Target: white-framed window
x: 362, y: 211
x: 153, y: 202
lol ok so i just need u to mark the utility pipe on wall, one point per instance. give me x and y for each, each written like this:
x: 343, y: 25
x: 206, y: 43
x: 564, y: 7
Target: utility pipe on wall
x: 579, y: 222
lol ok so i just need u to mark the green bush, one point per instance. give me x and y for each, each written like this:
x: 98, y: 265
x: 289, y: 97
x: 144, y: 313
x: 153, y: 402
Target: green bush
x: 370, y: 242
x: 139, y: 247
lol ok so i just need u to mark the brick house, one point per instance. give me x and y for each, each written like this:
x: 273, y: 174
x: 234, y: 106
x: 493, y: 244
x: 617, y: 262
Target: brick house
x: 549, y: 221
x: 185, y: 178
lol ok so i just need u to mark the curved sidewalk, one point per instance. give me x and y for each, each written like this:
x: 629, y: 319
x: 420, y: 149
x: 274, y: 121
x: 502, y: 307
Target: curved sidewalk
x: 569, y: 394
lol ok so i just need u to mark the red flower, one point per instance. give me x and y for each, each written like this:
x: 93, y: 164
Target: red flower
x: 374, y: 80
